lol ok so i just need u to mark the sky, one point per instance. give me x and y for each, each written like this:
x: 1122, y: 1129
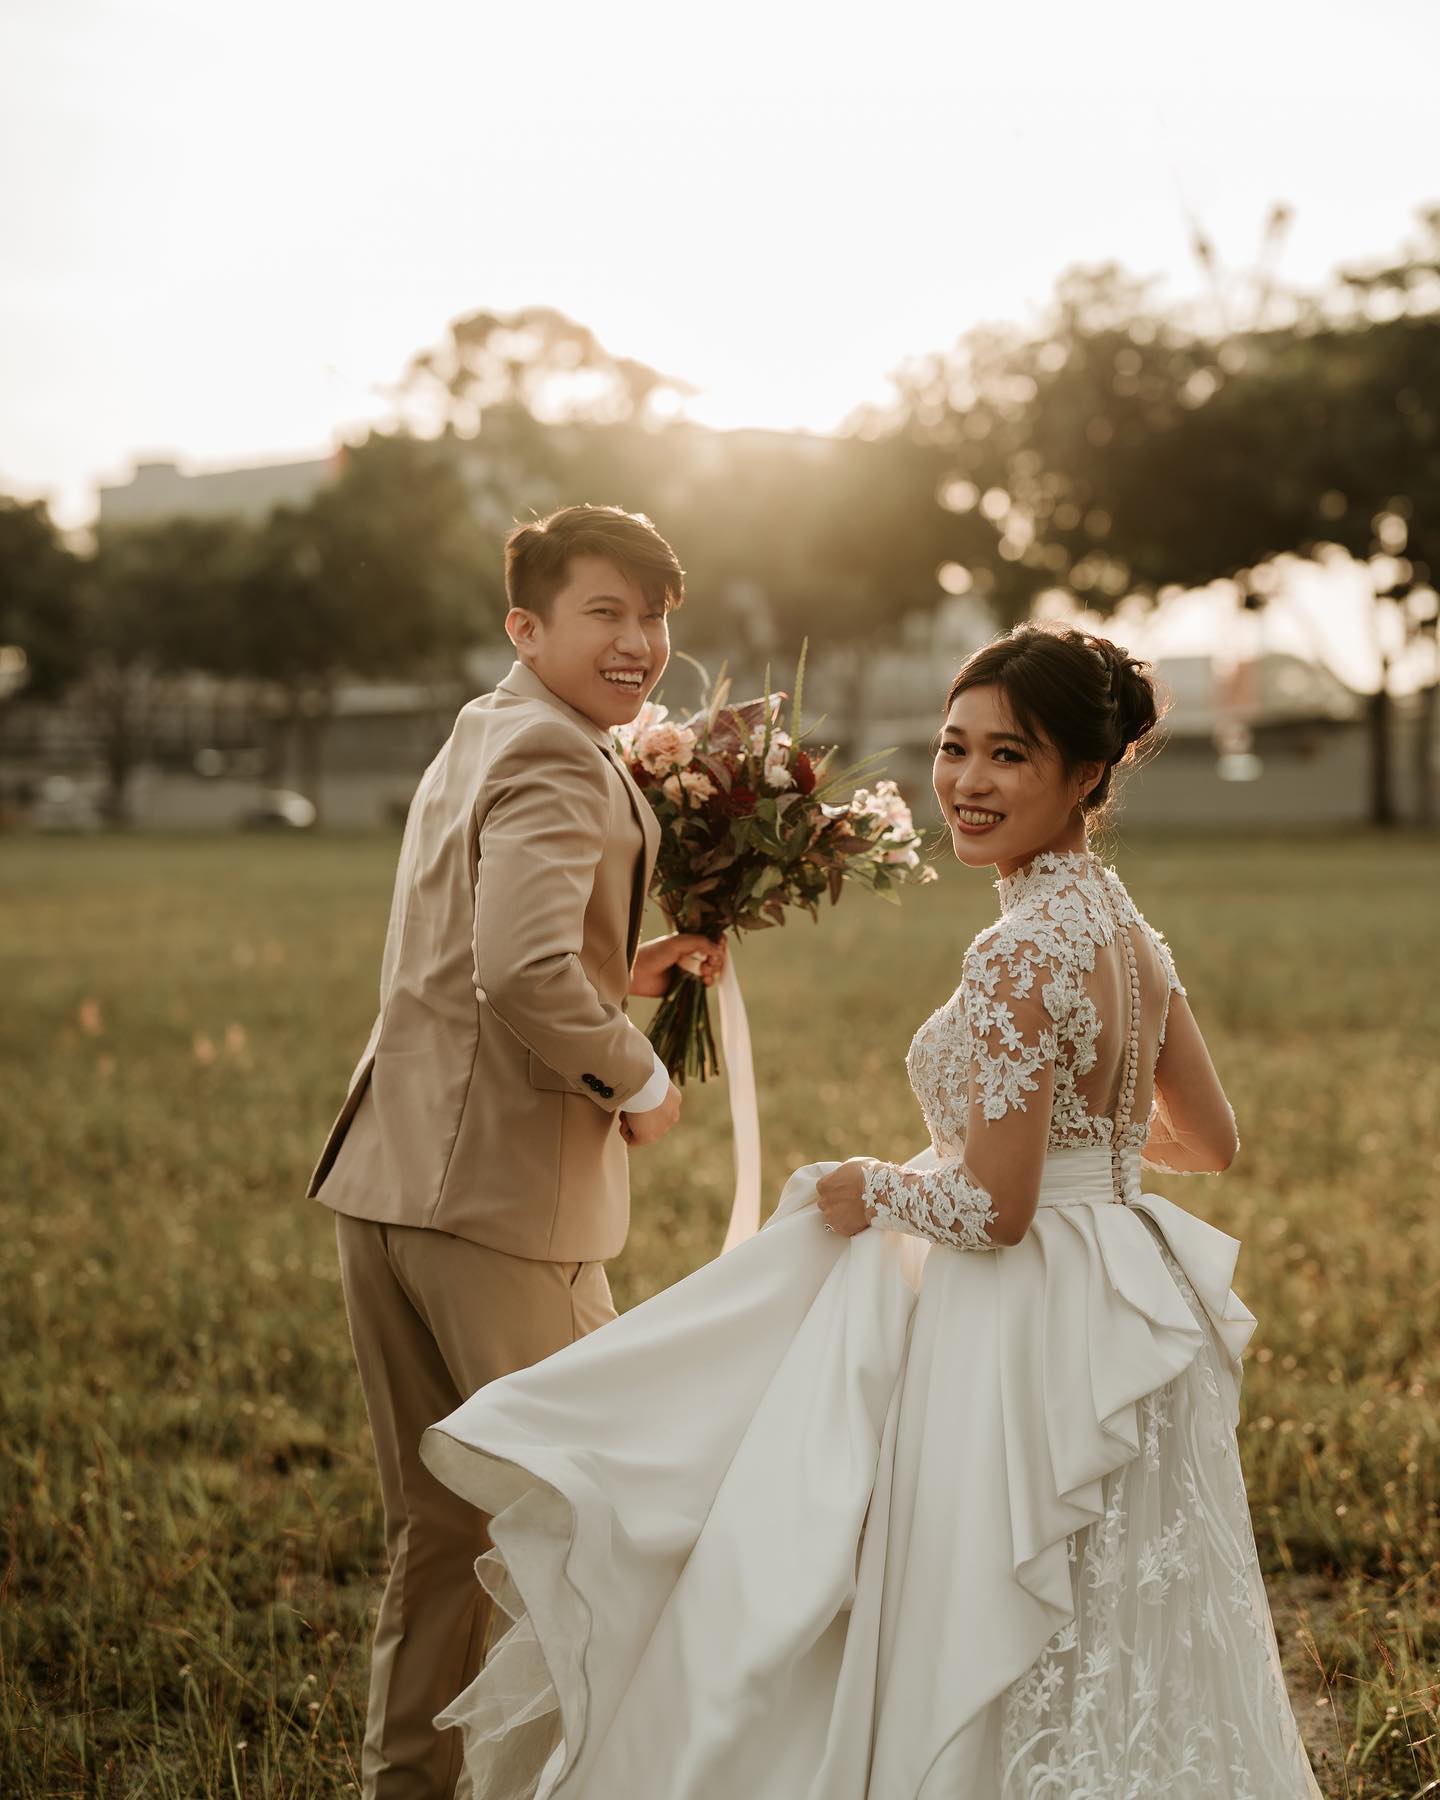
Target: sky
x: 225, y: 229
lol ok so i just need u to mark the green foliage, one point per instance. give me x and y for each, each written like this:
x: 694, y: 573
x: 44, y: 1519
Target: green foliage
x: 39, y: 596
x: 152, y: 602
x: 192, y: 1529
x: 1121, y: 449
x: 162, y: 597
x: 384, y: 574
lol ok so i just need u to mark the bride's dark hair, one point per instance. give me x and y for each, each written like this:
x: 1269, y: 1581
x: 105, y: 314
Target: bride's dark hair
x: 1083, y: 694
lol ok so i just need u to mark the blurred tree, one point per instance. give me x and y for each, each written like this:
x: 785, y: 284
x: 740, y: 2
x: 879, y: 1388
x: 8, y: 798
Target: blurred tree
x: 783, y: 535
x: 1045, y: 434
x: 1120, y: 451
x: 39, y: 582
x: 1325, y: 432
x: 537, y: 363
x: 835, y: 539
x: 534, y: 408
x: 154, y: 602
x: 1380, y: 499
x: 385, y: 575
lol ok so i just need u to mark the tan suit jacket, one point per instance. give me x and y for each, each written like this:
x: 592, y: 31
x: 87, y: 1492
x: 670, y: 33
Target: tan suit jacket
x: 486, y: 1102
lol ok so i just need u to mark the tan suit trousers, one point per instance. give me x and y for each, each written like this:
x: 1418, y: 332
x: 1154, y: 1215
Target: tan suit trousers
x: 432, y: 1318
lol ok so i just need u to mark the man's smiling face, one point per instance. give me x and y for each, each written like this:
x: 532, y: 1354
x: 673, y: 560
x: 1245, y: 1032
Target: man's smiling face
x: 600, y: 646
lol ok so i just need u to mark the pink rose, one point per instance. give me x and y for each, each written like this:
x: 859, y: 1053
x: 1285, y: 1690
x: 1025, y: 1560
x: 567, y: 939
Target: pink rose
x: 625, y: 736
x: 664, y: 746
x: 687, y: 786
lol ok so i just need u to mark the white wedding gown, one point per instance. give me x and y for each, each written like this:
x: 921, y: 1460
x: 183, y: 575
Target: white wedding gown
x: 871, y: 1519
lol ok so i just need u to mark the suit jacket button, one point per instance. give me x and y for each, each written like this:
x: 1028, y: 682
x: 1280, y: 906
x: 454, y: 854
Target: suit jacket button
x: 608, y: 1092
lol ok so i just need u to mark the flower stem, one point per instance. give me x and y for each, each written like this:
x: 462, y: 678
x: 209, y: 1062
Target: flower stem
x: 681, y: 1030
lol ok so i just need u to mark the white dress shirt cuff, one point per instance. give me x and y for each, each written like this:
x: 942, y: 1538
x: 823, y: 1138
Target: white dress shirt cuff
x: 653, y: 1092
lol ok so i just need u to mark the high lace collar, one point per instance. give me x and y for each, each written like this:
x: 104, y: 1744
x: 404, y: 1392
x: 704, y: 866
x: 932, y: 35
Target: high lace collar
x: 1046, y: 872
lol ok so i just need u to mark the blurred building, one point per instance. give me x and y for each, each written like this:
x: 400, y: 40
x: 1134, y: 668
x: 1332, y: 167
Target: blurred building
x: 161, y: 489
x: 1274, y: 741
x: 1269, y: 691
x: 1287, y: 746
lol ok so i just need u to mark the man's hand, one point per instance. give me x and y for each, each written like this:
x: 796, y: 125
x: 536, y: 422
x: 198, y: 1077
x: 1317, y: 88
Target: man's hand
x: 639, y: 1129
x: 650, y: 978
x: 841, y: 1194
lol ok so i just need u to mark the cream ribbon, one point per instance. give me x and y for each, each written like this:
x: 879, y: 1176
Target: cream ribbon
x: 744, y: 1105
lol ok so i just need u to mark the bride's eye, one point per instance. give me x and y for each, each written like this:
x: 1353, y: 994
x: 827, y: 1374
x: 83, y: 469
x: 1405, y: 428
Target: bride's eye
x: 1014, y: 755
x: 952, y: 750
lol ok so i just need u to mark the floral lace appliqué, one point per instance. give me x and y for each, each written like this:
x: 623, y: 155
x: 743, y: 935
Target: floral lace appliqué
x: 944, y: 1205
x: 1059, y: 912
x: 1146, y: 1691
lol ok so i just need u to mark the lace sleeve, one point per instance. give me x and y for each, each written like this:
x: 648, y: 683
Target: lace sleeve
x: 944, y: 1204
x: 1013, y: 996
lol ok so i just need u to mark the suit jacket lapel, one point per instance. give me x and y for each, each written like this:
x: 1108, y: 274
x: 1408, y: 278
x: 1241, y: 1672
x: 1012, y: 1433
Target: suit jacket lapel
x: 644, y: 813
x: 522, y: 685
x: 650, y: 846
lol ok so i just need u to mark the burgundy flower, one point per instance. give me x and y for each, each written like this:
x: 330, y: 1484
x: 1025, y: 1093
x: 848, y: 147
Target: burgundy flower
x: 740, y: 802
x: 804, y: 774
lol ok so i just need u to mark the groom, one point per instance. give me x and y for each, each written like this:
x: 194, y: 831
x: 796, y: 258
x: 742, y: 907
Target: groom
x: 478, y: 1168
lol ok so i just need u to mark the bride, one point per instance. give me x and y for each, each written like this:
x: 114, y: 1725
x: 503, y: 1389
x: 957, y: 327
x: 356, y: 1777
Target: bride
x: 930, y: 1491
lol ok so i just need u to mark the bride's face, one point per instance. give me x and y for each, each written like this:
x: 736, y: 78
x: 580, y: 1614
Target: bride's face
x: 1003, y: 797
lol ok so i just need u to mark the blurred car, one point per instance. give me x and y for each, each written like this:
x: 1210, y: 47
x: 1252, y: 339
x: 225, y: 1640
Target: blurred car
x: 61, y: 804
x: 279, y: 809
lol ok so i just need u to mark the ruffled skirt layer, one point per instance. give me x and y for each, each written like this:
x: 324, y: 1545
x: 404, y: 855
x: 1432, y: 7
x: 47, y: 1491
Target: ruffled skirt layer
x: 836, y: 1520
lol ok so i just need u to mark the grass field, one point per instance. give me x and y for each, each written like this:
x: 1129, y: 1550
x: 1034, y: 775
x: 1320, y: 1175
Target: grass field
x: 192, y: 1529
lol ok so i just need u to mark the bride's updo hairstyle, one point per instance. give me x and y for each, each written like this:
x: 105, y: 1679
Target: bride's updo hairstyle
x: 1085, y: 695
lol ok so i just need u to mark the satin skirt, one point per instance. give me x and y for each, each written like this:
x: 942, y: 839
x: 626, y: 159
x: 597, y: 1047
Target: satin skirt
x: 869, y: 1519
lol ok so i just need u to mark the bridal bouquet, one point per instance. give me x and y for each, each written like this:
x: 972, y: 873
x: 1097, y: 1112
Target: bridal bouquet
x: 751, y: 824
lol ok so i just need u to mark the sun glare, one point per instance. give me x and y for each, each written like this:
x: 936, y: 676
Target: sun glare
x: 267, y: 212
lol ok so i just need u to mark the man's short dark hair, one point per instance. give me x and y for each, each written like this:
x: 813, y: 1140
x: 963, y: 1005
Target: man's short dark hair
x: 537, y: 556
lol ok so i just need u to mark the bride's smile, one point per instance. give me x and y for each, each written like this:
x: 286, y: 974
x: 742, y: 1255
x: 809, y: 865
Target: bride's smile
x: 1005, y: 794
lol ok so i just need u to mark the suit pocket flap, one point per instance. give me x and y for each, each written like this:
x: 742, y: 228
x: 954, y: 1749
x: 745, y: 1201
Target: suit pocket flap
x: 543, y: 1076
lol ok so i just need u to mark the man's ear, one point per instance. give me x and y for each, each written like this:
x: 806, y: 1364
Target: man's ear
x: 521, y: 627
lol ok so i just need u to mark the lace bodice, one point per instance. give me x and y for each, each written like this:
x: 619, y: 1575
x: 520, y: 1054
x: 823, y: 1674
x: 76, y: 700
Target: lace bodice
x: 1060, y: 1016
x: 1057, y: 916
